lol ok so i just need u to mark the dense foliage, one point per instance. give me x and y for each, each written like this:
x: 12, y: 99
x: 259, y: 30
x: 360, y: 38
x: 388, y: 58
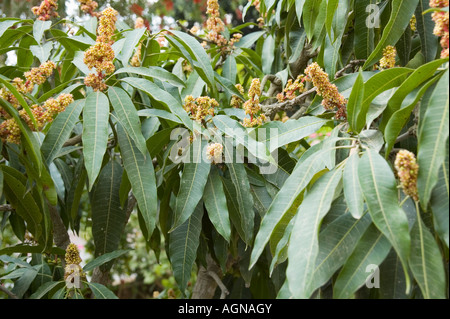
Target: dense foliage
x: 305, y: 158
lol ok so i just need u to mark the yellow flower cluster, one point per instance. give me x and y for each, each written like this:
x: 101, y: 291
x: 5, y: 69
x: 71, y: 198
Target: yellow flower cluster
x: 101, y: 55
x: 43, y: 114
x: 46, y: 10
x: 412, y: 23
x: 252, y: 106
x: 407, y: 171
x: 88, y: 6
x: 35, y: 76
x: 330, y: 93
x: 72, y: 259
x: 136, y: 59
x: 214, y: 152
x: 236, y: 101
x: 388, y: 59
x: 216, y: 26
x: 200, y: 107
x: 440, y: 18
x: 292, y: 88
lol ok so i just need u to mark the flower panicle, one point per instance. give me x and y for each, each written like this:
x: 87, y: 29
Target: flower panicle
x: 388, y: 59
x: 101, y: 55
x: 407, y: 171
x: 441, y: 28
x: 214, y: 152
x: 43, y: 114
x: 331, y: 97
x: 46, y: 10
x: 200, y: 107
x: 89, y: 7
x: 252, y: 106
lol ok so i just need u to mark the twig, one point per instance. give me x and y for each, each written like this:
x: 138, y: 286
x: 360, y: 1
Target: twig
x: 192, y: 34
x: 73, y: 141
x: 9, y: 293
x: 6, y: 208
x: 219, y: 282
x: 276, y: 107
x: 404, y: 136
x: 300, y: 112
x: 351, y: 64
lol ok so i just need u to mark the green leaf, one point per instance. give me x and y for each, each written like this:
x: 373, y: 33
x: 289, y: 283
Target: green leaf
x: 229, y: 69
x: 364, y: 36
x: 24, y: 282
x: 418, y: 77
x: 6, y: 24
x: 379, y: 188
x: 183, y: 244
x: 197, y: 52
x: 46, y: 288
x: 192, y: 185
x: 392, y: 278
x: 159, y: 113
x: 377, y: 84
x: 244, y: 198
x: 95, y: 133
x: 132, y: 39
x: 336, y: 243
x: 216, y: 204
x: 155, y: 72
x: 42, y: 52
x: 425, y: 27
x: 39, y: 27
x: 100, y: 260
x: 289, y: 131
x: 401, y: 13
x: 299, y: 4
x: 256, y: 148
x: 371, y: 249
x: 310, y: 13
x: 108, y: 218
x: 127, y: 116
x: 355, y: 103
x: 400, y: 118
x: 439, y: 202
x: 268, y: 54
x: 249, y: 39
x: 352, y: 189
x: 141, y: 175
x: 101, y: 292
x: 308, y: 165
x: 332, y: 5
x: 15, y: 190
x: 162, y: 96
x: 304, y: 242
x: 60, y: 130
x: 426, y: 262
x: 432, y: 137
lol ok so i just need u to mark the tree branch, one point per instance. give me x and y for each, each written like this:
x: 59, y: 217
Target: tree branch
x: 60, y: 235
x: 287, y: 105
x: 73, y: 141
x: 9, y: 293
x: 351, y: 64
x: 219, y: 282
x: 6, y: 208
